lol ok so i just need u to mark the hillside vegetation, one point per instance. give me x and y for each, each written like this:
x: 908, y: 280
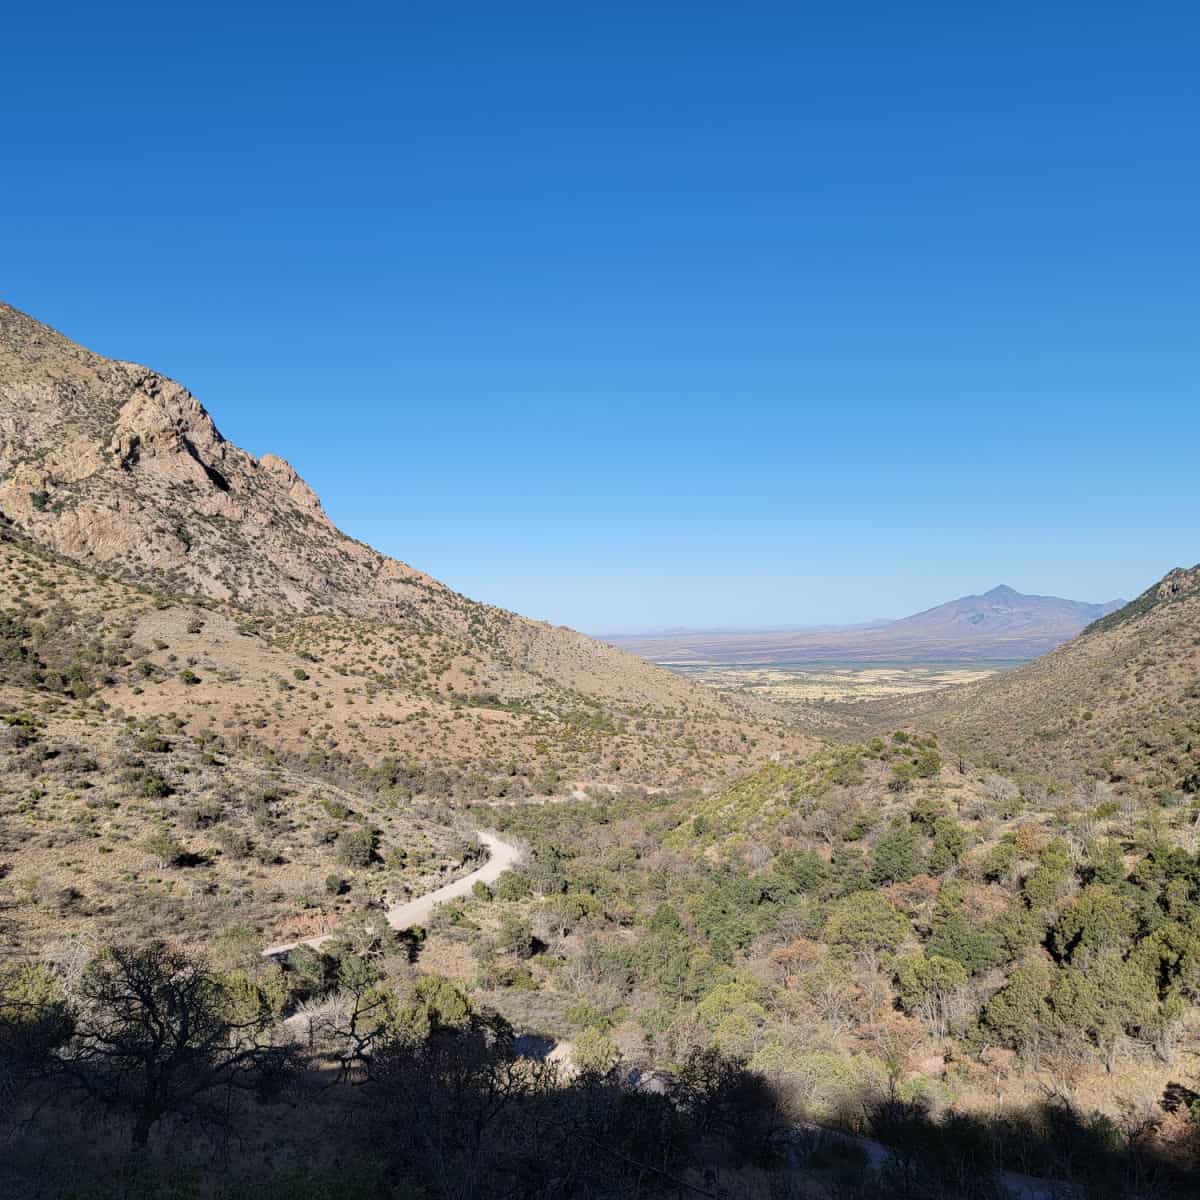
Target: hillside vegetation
x: 1119, y: 704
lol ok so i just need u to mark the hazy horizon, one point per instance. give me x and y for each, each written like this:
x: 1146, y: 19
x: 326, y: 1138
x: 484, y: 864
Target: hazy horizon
x: 683, y: 630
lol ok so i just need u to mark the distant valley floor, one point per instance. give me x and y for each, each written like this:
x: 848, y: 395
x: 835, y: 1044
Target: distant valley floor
x: 836, y: 683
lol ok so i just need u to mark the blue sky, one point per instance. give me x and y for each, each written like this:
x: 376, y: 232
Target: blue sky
x: 642, y: 315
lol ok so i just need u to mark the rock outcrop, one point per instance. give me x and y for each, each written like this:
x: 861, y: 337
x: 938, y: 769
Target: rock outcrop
x: 112, y: 464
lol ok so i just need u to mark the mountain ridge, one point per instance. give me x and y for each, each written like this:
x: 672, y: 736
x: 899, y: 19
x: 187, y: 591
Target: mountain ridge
x: 116, y: 467
x: 1000, y: 624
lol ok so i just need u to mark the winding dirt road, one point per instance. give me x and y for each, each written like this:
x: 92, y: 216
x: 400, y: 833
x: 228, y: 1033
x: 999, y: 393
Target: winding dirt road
x: 501, y: 856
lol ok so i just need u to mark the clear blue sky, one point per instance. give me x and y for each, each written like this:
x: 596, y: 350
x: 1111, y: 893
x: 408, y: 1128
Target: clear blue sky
x: 629, y: 315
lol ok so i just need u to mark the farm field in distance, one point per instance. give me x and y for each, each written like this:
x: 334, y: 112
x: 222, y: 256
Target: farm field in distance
x: 835, y: 683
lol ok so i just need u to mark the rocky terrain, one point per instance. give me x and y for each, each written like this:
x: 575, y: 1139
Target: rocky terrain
x: 120, y: 470
x: 163, y: 588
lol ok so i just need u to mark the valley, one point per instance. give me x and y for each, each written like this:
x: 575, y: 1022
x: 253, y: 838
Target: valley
x: 600, y: 602
x: 834, y: 682
x: 943, y: 899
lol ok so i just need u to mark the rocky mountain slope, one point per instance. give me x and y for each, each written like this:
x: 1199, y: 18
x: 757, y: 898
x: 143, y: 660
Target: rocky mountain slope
x: 119, y: 469
x: 206, y: 688
x: 111, y: 464
x: 1119, y: 703
x: 997, y: 625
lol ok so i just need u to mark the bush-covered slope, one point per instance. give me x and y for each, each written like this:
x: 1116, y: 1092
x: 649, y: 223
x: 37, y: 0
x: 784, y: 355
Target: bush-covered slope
x: 1121, y: 702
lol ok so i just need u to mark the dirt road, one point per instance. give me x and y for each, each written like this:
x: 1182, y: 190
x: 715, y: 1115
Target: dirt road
x: 501, y: 856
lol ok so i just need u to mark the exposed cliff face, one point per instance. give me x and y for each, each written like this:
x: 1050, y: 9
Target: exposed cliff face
x: 110, y: 463
x: 1179, y: 582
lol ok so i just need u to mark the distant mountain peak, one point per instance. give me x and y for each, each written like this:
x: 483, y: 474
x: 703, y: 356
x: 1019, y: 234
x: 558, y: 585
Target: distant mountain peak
x: 1000, y: 625
x: 1003, y: 592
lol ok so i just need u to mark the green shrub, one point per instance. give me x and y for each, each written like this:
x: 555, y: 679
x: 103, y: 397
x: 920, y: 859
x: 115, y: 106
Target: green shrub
x: 897, y: 855
x: 355, y: 847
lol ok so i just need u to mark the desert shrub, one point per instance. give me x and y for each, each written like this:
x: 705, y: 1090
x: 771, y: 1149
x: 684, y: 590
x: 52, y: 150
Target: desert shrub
x: 202, y: 815
x: 153, y: 785
x: 355, y: 847
x: 593, y: 1052
x: 235, y: 843
x: 866, y: 921
x: 164, y: 849
x: 897, y: 856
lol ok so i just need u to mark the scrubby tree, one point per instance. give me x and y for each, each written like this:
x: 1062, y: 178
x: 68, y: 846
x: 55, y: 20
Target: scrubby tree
x: 921, y: 761
x: 830, y: 987
x: 931, y: 987
x: 164, y: 849
x: 1017, y: 1014
x: 157, y: 1036
x: 721, y: 1097
x: 445, y: 1003
x: 866, y: 922
x: 999, y: 864
x: 955, y: 937
x: 366, y: 935
x: 449, y: 1109
x: 847, y: 871
x: 949, y: 842
x: 1169, y: 960
x: 1100, y: 1004
x: 355, y: 847
x: 1052, y: 879
x: 35, y: 1021
x: 593, y: 1052
x: 515, y: 935
x: 512, y: 885
x: 797, y: 872
x: 1098, y: 921
x: 897, y: 855
x: 1105, y: 863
